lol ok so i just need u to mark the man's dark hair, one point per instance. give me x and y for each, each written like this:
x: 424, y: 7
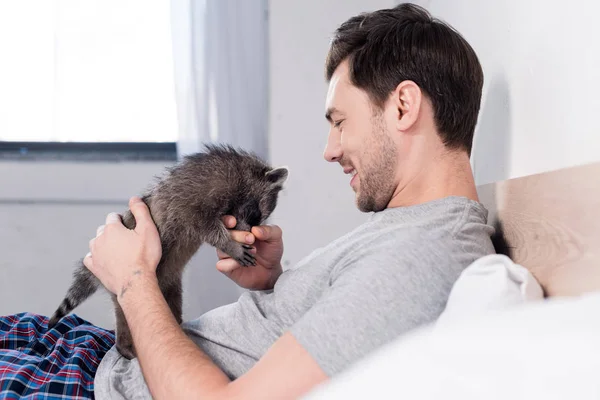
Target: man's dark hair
x: 386, y: 47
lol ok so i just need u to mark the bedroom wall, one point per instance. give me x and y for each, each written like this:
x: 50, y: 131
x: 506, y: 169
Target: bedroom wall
x: 537, y: 115
x: 48, y: 213
x: 318, y: 203
x: 542, y: 75
x: 538, y: 107
x: 49, y: 210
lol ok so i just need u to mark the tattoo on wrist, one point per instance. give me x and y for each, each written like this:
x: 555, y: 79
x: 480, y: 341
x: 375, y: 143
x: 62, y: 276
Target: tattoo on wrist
x: 129, y: 283
x: 124, y: 289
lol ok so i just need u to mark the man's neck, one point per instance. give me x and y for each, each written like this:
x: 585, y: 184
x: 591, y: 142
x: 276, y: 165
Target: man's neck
x: 450, y: 174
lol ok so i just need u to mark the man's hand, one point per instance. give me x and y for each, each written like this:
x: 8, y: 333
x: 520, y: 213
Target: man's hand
x: 174, y: 367
x: 269, y: 250
x: 120, y: 256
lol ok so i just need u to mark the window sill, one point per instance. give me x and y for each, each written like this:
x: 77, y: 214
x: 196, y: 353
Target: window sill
x: 88, y: 152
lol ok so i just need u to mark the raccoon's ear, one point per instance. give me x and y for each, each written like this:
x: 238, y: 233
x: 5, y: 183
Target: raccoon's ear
x: 277, y: 176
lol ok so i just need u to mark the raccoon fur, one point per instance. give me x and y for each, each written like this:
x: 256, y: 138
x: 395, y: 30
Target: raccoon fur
x: 187, y: 206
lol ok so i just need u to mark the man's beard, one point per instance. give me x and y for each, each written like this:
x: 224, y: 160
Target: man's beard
x: 376, y: 180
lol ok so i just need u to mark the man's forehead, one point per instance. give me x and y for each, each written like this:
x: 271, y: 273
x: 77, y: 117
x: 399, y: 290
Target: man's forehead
x: 331, y: 91
x: 338, y: 84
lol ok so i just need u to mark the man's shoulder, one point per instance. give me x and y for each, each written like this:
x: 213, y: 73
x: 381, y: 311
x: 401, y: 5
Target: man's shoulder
x: 411, y: 236
x: 393, y: 241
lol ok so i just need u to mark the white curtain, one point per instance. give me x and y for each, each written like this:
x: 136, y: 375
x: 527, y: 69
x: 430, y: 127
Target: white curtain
x: 220, y: 52
x: 221, y: 82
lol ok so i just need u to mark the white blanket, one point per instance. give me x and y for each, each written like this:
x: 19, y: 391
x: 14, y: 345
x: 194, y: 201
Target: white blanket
x: 497, y: 339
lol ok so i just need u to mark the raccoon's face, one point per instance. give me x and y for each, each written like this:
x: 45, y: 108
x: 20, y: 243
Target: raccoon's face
x: 260, y: 200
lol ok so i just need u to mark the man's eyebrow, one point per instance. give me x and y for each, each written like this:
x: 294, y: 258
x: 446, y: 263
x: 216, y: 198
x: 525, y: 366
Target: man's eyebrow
x: 330, y: 112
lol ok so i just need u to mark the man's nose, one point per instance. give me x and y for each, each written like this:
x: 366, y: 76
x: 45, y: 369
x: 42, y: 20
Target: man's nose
x: 333, y: 150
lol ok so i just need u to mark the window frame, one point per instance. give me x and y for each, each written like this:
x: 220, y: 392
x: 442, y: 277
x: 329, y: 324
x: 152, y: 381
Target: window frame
x: 88, y: 151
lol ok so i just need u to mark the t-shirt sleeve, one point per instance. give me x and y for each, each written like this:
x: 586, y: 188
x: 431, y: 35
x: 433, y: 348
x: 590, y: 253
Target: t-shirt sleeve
x: 375, y: 298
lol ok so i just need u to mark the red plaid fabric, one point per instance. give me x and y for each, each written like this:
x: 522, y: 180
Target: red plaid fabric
x: 36, y: 363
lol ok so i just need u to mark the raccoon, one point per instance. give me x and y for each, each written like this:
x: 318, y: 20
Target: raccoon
x: 187, y: 206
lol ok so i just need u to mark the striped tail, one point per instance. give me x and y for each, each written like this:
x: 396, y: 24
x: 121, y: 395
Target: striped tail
x: 84, y: 285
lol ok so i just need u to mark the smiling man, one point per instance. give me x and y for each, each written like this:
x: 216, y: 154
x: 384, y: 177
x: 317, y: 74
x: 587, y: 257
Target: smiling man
x: 403, y: 99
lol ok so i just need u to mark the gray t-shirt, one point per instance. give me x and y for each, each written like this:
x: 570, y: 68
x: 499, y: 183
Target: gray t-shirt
x: 389, y: 275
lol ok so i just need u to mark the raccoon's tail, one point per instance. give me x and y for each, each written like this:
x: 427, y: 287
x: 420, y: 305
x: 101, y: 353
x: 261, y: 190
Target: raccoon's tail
x: 84, y: 285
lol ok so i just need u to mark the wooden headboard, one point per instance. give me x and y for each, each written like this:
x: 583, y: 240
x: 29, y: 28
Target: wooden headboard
x: 551, y: 224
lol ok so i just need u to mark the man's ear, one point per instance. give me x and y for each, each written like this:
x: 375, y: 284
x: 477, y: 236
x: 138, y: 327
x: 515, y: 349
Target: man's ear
x: 407, y: 99
x: 277, y: 176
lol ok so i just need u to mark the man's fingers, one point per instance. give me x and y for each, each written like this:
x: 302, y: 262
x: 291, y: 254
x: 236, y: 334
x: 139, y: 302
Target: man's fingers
x: 140, y: 211
x: 88, y: 262
x: 113, y: 218
x: 100, y: 230
x: 227, y: 265
x: 242, y: 237
x: 222, y: 255
x: 263, y: 232
x: 238, y: 236
x: 267, y: 232
x: 229, y: 221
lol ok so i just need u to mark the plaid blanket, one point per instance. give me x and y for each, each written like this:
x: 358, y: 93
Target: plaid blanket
x: 57, y: 364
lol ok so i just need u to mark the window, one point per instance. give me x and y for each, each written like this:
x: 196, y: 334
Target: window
x: 95, y: 71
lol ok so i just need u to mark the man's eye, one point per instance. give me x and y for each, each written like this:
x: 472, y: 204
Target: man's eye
x: 338, y: 123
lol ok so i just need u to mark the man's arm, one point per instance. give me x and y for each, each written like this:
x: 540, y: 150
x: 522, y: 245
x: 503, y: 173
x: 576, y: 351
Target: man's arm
x: 173, y: 366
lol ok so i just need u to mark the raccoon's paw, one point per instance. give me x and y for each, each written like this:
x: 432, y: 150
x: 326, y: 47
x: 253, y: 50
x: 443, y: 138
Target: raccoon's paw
x: 244, y: 255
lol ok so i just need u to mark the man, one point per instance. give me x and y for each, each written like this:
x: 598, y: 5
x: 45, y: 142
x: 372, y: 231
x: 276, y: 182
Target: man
x: 403, y: 99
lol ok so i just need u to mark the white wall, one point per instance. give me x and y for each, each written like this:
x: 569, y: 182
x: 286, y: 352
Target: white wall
x: 318, y: 203
x: 538, y: 113
x: 541, y: 61
x: 539, y: 105
x: 48, y: 213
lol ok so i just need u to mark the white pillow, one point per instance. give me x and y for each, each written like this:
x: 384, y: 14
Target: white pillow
x: 493, y: 282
